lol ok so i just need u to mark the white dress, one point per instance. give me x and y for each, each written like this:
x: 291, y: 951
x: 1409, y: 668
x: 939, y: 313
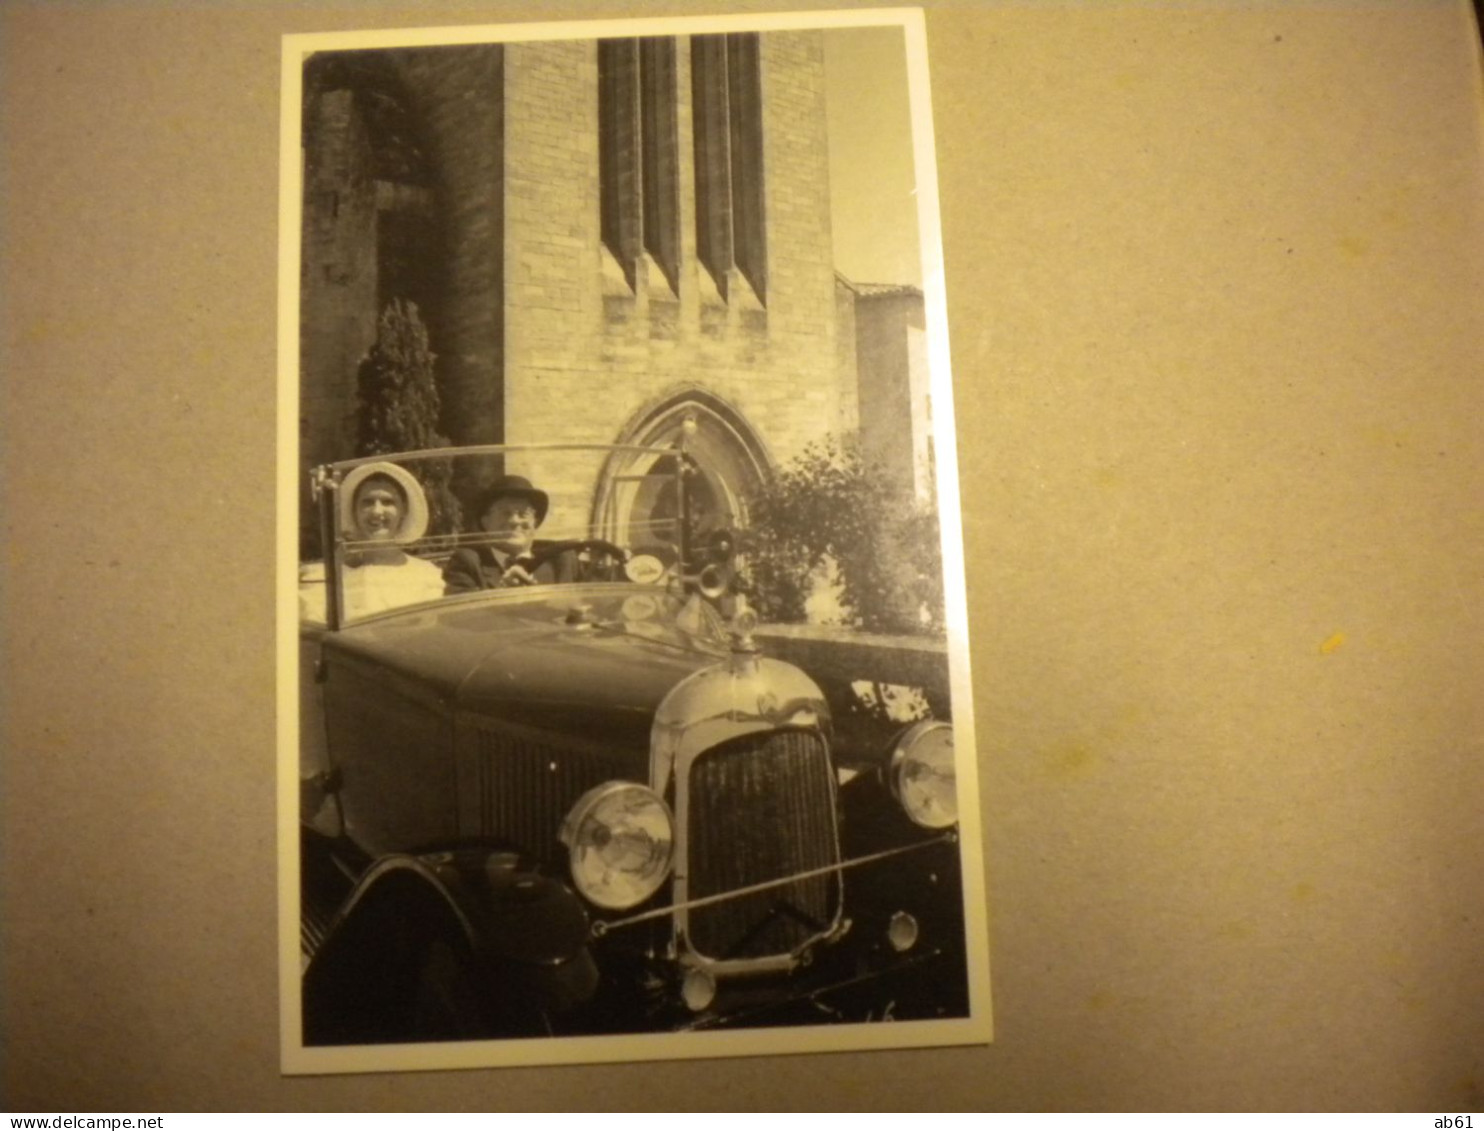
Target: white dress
x: 374, y: 588
x: 377, y: 587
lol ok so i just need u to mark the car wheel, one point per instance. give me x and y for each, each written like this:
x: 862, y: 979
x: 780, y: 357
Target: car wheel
x: 445, y: 997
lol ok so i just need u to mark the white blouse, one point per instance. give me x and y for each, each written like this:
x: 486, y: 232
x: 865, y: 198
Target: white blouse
x: 373, y: 588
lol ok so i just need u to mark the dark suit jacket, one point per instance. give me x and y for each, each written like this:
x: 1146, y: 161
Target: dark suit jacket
x: 476, y: 567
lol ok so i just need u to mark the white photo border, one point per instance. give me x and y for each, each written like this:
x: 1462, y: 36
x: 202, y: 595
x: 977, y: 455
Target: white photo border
x: 296, y: 1058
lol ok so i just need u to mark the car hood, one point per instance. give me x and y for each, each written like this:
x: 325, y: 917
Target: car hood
x: 534, y: 656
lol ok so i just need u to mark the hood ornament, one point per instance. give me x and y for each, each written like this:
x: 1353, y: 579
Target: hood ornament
x: 743, y: 624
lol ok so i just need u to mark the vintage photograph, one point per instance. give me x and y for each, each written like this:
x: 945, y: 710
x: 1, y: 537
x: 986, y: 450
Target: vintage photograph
x: 623, y: 677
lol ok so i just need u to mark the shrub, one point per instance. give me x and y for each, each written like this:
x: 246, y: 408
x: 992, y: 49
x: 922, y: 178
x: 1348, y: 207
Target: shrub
x: 827, y: 517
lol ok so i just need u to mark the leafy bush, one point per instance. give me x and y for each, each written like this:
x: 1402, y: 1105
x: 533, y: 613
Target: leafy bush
x: 828, y: 518
x: 398, y: 406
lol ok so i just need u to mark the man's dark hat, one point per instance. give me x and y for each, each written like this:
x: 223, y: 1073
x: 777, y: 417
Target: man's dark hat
x: 513, y: 486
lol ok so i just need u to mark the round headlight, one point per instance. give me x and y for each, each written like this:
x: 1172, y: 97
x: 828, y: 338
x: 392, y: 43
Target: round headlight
x: 620, y: 838
x: 923, y: 776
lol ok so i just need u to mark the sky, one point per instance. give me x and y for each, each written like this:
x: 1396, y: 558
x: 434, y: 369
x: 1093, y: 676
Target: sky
x: 871, y: 178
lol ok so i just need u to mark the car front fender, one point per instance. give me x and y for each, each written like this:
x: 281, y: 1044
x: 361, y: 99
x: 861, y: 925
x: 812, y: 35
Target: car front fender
x: 448, y: 946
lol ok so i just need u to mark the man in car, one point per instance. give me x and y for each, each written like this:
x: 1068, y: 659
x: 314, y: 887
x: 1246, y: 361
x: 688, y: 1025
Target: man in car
x: 509, y: 514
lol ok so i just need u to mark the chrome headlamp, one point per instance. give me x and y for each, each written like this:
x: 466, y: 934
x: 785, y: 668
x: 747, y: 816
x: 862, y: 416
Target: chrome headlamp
x: 922, y: 774
x: 620, y: 838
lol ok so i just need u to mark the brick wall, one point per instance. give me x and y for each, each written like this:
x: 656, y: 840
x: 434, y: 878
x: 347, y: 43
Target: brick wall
x: 846, y: 364
x: 553, y: 306
x: 801, y: 398
x: 456, y: 94
x: 892, y: 365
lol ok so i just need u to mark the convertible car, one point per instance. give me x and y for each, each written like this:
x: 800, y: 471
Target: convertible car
x: 582, y: 797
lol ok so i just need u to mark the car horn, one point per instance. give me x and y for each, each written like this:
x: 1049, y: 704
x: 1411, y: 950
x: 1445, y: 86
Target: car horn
x: 718, y: 565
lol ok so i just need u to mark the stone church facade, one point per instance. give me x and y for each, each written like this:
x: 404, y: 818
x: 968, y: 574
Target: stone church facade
x: 605, y: 239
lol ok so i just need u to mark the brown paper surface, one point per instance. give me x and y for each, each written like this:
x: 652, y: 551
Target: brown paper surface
x: 1213, y: 279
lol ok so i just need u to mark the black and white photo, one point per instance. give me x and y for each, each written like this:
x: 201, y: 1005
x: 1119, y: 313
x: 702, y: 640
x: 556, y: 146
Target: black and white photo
x: 624, y: 680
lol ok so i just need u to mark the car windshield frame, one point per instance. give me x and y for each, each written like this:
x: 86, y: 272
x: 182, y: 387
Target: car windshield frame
x: 326, y: 481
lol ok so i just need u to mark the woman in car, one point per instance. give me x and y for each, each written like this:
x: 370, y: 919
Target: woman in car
x: 383, y: 509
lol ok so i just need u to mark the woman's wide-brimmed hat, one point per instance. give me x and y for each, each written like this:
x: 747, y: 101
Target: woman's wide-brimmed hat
x: 414, y: 520
x: 515, y: 487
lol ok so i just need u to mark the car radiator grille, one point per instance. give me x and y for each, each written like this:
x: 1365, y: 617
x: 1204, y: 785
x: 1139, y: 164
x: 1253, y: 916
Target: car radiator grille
x: 762, y: 808
x: 523, y: 787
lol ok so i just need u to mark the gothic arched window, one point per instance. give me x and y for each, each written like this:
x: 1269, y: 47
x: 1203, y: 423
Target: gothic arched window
x: 637, y: 503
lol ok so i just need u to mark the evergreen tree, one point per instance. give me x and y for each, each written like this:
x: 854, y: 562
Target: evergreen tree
x: 398, y: 406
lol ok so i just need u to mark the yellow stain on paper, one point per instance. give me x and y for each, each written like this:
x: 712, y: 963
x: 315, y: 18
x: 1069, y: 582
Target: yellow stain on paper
x: 1080, y: 756
x: 1332, y: 644
x: 1302, y: 892
x: 1072, y: 761
x: 1099, y: 1001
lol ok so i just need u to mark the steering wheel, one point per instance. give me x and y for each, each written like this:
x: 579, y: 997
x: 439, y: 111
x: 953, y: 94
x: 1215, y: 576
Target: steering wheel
x: 606, y: 564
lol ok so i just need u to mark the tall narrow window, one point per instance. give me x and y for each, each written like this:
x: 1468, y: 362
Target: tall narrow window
x: 660, y: 188
x: 618, y: 150
x: 708, y: 70
x: 745, y: 103
x: 637, y: 173
x: 726, y: 91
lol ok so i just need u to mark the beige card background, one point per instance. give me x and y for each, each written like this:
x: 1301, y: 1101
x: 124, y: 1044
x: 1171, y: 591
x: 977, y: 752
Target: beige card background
x: 1214, y: 279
